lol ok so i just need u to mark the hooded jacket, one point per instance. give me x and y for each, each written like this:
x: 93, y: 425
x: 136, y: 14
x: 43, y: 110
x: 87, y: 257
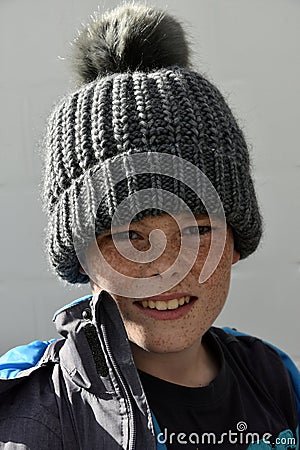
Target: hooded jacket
x: 83, y: 393
x: 79, y: 392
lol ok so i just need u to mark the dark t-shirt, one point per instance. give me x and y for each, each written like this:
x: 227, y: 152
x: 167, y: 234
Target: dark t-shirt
x: 250, y: 404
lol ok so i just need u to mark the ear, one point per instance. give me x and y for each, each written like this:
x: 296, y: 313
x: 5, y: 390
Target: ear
x: 235, y: 256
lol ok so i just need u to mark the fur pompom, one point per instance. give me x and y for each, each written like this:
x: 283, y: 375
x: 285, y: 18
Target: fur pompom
x: 130, y: 37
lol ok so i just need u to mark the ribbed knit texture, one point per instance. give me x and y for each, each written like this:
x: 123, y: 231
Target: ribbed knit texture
x: 171, y: 110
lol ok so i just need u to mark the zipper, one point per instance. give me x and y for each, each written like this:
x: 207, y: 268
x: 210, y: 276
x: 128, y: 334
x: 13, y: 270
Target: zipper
x: 124, y: 384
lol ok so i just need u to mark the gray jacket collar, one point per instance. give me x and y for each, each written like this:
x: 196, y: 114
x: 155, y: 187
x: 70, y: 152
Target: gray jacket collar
x: 101, y: 312
x: 97, y: 355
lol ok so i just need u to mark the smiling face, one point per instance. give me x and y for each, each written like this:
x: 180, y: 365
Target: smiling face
x: 174, y: 320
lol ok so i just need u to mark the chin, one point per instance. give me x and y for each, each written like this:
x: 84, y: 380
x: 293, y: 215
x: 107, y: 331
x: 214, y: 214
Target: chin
x: 164, y: 345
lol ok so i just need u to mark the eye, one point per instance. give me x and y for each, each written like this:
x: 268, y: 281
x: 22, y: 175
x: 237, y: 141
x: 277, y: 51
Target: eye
x: 125, y: 235
x: 193, y: 231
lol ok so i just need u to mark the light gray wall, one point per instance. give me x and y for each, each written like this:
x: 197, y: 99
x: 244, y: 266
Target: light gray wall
x: 250, y: 48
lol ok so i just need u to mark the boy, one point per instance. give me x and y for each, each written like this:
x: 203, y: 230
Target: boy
x: 150, y: 199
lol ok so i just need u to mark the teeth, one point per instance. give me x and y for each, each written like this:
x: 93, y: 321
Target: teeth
x: 163, y: 306
x: 173, y: 304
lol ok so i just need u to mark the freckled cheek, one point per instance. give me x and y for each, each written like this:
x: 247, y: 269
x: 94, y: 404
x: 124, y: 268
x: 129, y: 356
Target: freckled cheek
x: 213, y: 292
x: 125, y: 306
x: 122, y: 264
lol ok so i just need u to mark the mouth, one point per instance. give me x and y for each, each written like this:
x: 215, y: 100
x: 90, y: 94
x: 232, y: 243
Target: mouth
x: 166, y: 305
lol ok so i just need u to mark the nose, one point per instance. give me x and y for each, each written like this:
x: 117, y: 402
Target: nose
x: 161, y: 264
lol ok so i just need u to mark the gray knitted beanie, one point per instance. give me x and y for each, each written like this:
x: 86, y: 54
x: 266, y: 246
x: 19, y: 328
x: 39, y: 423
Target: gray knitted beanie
x: 137, y: 95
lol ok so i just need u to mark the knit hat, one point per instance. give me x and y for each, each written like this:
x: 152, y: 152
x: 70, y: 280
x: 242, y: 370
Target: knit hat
x: 139, y: 95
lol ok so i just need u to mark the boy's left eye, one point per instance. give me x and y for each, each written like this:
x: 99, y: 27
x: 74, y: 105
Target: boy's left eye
x: 125, y: 235
x: 201, y: 230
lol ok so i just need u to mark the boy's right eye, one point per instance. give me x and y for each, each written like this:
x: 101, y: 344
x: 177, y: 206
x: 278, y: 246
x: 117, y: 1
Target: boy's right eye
x: 125, y: 235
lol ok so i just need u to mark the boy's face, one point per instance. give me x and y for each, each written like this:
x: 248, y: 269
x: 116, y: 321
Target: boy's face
x: 154, y: 329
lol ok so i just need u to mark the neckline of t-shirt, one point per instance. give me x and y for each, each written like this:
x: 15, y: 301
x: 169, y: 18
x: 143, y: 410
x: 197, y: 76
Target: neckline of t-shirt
x: 195, y: 396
